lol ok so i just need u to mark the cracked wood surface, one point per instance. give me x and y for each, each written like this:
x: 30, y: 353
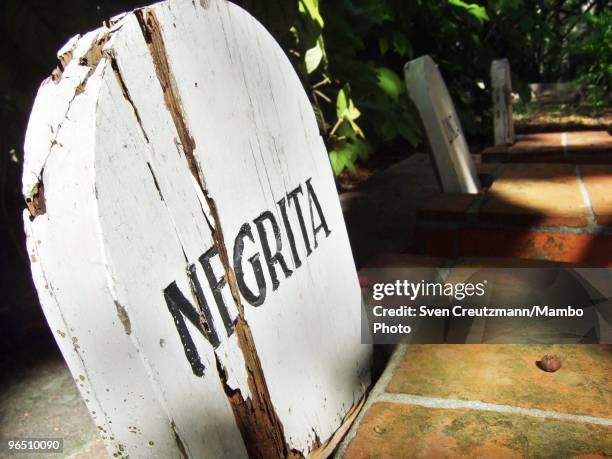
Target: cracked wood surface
x: 159, y: 139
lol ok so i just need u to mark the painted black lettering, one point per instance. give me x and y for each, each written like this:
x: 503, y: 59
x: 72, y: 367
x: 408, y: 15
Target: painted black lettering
x: 294, y: 252
x: 271, y: 259
x: 312, y: 199
x: 216, y: 286
x: 252, y: 298
x: 180, y: 307
x: 293, y: 196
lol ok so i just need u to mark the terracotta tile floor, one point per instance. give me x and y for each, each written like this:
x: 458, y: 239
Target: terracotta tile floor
x: 487, y: 401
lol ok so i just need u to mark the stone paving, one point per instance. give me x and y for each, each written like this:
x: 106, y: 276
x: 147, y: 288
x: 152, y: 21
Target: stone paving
x: 487, y: 401
x: 39, y: 398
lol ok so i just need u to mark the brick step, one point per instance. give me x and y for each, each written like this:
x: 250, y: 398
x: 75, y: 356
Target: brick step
x: 583, y: 147
x: 555, y: 212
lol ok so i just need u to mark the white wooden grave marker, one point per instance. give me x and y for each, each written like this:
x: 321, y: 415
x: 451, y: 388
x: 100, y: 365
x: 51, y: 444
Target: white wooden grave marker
x: 451, y: 157
x: 187, y: 241
x: 501, y: 89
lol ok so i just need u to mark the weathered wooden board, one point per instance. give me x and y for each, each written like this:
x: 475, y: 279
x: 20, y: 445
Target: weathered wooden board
x: 187, y: 241
x: 501, y: 90
x: 454, y: 166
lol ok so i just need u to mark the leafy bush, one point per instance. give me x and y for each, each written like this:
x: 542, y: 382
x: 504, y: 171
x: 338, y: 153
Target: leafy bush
x: 591, y: 53
x: 350, y: 56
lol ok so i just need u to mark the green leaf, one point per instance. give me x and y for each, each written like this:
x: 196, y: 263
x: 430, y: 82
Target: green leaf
x: 362, y: 149
x: 342, y: 101
x: 342, y: 158
x: 389, y: 82
x: 401, y: 45
x: 346, y: 153
x: 356, y: 128
x: 312, y: 8
x: 345, y: 107
x: 313, y: 57
x: 346, y: 110
x: 479, y: 12
x: 345, y: 131
x: 337, y: 162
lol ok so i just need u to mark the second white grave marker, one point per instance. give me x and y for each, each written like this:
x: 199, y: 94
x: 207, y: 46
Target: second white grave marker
x: 451, y: 156
x: 501, y: 90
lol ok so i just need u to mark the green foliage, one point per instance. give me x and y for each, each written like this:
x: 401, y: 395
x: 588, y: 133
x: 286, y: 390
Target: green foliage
x: 351, y: 53
x: 350, y: 56
x: 367, y: 44
x: 479, y: 12
x: 553, y: 40
x: 389, y: 83
x: 346, y: 110
x: 591, y: 52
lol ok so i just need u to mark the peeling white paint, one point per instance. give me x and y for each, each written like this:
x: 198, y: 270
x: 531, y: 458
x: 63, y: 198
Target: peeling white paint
x: 69, y: 272
x: 126, y: 217
x: 50, y: 109
x: 68, y: 47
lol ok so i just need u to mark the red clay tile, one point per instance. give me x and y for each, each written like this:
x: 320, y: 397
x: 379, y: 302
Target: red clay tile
x: 589, y: 141
x: 507, y: 374
x: 395, y: 430
x: 584, y: 249
x: 598, y: 182
x: 582, y: 147
x: 536, y: 194
x: 436, y: 242
x: 551, y: 141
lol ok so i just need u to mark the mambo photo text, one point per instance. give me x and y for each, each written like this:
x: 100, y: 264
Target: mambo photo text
x: 275, y: 256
